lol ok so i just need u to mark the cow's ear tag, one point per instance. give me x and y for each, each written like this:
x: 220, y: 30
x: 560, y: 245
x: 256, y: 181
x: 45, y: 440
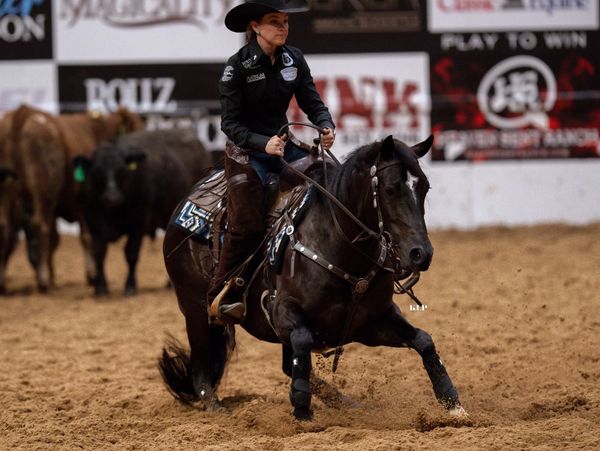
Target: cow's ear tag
x: 79, y: 174
x: 132, y: 166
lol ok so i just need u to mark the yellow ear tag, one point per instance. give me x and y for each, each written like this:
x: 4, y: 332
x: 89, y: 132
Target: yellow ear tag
x: 132, y: 166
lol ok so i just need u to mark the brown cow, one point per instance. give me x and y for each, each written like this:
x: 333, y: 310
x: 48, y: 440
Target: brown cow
x: 10, y: 215
x: 43, y: 146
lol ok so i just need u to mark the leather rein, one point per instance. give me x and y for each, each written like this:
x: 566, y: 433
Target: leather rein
x: 386, y: 247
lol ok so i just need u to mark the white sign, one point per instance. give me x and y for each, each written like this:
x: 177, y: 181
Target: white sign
x: 371, y: 96
x: 143, y: 30
x: 32, y: 83
x: 505, y: 15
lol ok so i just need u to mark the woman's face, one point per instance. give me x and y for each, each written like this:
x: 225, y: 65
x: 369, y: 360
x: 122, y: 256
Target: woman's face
x: 273, y: 28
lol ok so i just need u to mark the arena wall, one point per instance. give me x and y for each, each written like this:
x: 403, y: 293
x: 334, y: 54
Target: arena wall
x: 510, y: 89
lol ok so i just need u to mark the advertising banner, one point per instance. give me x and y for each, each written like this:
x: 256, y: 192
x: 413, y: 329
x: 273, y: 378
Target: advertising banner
x: 25, y: 30
x: 30, y: 82
x: 143, y: 30
x: 514, y: 15
x: 372, y: 96
x: 359, y: 26
x: 165, y: 95
x: 520, y: 106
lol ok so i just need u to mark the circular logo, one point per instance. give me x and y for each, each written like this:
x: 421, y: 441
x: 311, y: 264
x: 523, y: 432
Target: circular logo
x: 517, y: 92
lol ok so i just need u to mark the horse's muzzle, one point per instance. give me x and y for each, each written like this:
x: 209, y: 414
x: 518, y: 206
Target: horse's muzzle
x: 420, y: 257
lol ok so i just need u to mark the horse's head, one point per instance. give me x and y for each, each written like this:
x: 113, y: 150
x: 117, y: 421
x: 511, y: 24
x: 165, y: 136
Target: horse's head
x: 400, y: 187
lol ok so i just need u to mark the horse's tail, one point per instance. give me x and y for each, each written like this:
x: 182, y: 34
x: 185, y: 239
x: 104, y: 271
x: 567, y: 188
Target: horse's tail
x: 175, y: 364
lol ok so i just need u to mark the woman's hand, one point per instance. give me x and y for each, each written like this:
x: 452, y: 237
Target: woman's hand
x: 275, y: 146
x: 327, y: 138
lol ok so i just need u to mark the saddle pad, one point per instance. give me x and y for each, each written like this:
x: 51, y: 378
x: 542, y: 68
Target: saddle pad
x: 281, y: 236
x: 205, y: 203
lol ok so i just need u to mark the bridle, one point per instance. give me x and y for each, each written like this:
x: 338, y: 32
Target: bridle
x: 384, y: 239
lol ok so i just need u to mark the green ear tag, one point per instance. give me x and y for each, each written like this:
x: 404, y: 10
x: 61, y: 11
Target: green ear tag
x: 79, y: 174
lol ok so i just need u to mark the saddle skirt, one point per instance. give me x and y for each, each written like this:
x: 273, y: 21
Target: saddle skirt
x: 202, y: 213
x: 204, y: 216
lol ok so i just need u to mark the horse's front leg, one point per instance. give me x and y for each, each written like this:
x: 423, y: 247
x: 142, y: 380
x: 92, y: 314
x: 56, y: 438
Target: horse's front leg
x: 298, y: 340
x: 392, y: 329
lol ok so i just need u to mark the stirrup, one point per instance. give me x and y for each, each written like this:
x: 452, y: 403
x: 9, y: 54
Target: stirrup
x: 227, y: 313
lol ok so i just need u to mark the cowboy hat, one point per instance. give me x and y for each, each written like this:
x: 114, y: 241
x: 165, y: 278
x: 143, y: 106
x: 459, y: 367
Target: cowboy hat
x: 240, y: 16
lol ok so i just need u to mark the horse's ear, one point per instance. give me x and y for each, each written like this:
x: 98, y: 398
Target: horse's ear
x: 422, y: 148
x: 387, y: 149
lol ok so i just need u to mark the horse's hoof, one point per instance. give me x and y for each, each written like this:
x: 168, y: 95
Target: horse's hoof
x: 130, y: 291
x: 303, y: 413
x: 215, y: 405
x: 458, y: 411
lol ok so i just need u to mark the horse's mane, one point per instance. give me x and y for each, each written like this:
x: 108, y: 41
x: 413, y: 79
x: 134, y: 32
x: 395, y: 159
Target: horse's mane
x: 341, y: 177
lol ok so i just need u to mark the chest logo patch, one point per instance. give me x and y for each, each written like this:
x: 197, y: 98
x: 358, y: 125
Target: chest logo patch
x: 287, y: 59
x: 249, y: 63
x: 289, y: 73
x: 255, y: 77
x: 227, y: 73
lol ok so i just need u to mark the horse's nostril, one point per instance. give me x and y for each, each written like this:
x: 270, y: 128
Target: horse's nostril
x: 417, y: 255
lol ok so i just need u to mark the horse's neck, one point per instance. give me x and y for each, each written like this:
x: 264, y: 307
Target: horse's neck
x: 343, y: 238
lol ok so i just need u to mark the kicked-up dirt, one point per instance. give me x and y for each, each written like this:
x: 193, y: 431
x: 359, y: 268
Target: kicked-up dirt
x: 515, y: 315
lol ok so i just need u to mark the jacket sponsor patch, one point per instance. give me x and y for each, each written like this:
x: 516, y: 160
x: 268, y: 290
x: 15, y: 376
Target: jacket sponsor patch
x: 227, y: 73
x: 289, y: 73
x: 249, y: 63
x: 255, y: 77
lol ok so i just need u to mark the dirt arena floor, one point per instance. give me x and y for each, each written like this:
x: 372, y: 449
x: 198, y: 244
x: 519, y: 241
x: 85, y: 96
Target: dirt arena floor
x: 514, y: 313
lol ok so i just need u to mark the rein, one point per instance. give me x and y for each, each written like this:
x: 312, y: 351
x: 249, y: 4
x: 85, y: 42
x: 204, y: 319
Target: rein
x: 359, y: 285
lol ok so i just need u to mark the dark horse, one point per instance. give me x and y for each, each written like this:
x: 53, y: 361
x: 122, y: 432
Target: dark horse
x: 335, y: 285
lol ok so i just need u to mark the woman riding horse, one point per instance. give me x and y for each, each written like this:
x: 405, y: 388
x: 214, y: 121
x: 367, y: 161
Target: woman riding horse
x: 256, y: 88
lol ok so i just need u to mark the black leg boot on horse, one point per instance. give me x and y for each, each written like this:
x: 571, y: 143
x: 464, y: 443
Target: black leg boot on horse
x: 245, y: 230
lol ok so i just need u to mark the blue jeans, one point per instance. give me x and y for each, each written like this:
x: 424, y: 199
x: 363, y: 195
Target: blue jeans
x: 268, y: 167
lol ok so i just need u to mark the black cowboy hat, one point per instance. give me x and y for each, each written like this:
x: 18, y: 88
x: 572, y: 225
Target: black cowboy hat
x: 239, y: 17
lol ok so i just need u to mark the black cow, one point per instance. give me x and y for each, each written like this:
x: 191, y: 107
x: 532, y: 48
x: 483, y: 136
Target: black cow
x: 131, y: 187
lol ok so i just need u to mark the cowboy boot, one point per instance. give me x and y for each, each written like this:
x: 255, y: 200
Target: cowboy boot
x: 245, y: 229
x: 225, y: 295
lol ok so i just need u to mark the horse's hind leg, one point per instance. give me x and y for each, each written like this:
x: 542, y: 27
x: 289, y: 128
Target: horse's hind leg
x: 194, y: 375
x: 208, y: 357
x: 394, y: 330
x: 290, y: 327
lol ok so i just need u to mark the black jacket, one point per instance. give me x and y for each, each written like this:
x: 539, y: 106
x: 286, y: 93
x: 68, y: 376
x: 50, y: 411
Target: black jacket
x: 255, y: 94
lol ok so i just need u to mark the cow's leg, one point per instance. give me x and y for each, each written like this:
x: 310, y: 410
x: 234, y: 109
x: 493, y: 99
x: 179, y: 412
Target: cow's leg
x: 54, y: 240
x: 100, y: 285
x: 7, y: 241
x: 292, y: 331
x: 38, y: 251
x: 132, y: 252
x: 87, y: 243
x: 394, y: 330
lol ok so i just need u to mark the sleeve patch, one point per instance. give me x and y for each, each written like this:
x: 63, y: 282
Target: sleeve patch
x: 227, y: 73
